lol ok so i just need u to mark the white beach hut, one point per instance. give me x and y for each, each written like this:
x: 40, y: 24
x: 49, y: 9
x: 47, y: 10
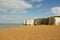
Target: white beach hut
x: 29, y: 22
x: 57, y: 20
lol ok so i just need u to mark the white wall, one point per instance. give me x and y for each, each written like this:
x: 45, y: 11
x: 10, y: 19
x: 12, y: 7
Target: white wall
x: 29, y: 22
x: 32, y: 22
x: 57, y: 20
x: 24, y: 21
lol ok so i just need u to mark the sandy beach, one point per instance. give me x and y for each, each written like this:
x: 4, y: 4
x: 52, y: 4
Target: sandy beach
x: 39, y: 32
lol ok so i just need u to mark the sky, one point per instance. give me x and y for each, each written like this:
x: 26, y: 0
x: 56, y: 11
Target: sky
x: 15, y: 11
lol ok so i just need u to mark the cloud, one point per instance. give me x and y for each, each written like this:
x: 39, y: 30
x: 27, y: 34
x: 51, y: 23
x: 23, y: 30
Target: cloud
x: 2, y: 10
x: 56, y: 10
x: 36, y: 3
x: 25, y: 11
x: 38, y: 6
x: 15, y: 5
x: 11, y: 19
x: 36, y: 0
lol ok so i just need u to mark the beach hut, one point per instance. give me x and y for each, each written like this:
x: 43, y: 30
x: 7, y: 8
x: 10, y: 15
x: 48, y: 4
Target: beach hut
x: 29, y: 22
x: 57, y: 20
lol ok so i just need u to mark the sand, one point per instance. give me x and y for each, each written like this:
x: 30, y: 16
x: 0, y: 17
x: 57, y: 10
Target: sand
x: 40, y: 32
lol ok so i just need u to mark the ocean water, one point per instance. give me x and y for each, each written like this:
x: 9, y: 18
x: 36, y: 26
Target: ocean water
x: 7, y: 26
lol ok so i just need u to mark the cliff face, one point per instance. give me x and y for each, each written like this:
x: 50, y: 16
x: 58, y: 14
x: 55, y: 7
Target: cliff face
x: 41, y: 21
x: 53, y: 20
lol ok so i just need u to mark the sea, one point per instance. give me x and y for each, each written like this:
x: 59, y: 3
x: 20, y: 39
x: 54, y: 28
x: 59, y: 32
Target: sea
x: 7, y: 26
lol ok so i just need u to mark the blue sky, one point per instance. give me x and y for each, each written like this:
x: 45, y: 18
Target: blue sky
x: 15, y: 11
